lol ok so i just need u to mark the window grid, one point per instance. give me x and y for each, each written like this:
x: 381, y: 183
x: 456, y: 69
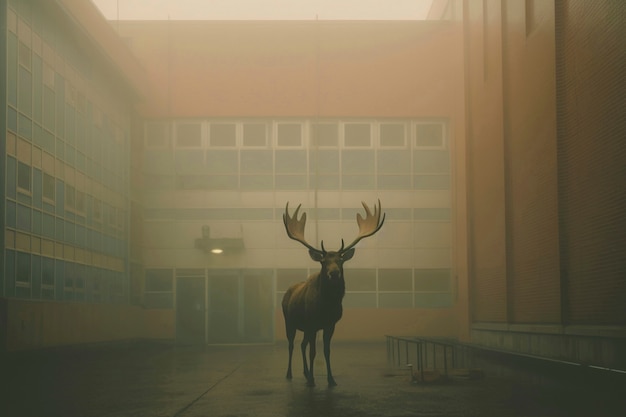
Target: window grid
x: 386, y: 135
x: 47, y: 107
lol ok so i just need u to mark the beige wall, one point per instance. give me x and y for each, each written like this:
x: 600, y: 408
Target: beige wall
x: 36, y: 325
x: 360, y: 324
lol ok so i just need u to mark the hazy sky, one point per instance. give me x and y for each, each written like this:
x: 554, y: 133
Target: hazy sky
x: 263, y: 9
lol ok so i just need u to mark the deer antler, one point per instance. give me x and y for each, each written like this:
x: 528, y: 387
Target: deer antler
x: 295, y: 227
x: 368, y: 225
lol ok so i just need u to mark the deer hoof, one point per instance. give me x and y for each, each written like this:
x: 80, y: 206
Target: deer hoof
x: 310, y: 383
x: 331, y: 383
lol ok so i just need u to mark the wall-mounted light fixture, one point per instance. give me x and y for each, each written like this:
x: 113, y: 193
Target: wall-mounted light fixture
x: 218, y: 245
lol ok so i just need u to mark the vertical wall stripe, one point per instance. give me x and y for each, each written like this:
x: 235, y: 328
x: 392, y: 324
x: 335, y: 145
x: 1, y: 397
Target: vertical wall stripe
x: 3, y: 135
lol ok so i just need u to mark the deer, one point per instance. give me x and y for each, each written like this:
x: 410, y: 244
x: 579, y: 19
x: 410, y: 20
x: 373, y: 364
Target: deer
x: 316, y: 304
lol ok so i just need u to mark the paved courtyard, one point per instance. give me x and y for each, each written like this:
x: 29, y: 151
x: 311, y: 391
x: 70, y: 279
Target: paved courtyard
x: 146, y: 379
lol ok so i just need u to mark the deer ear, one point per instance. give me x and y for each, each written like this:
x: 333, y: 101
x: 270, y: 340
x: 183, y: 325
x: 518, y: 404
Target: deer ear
x: 316, y: 256
x: 347, y: 255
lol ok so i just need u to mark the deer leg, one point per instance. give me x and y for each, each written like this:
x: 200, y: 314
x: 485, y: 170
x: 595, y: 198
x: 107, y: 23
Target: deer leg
x: 328, y: 334
x: 305, y: 342
x: 309, y: 339
x: 291, y: 334
x: 312, y: 353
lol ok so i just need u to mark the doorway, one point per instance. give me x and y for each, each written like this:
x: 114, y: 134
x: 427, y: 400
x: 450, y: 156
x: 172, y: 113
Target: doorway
x: 191, y: 310
x: 230, y: 306
x: 241, y: 306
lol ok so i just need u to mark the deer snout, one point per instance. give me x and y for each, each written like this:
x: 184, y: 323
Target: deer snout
x: 334, y: 272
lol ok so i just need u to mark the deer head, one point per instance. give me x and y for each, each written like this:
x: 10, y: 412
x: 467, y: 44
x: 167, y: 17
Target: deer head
x: 332, y: 261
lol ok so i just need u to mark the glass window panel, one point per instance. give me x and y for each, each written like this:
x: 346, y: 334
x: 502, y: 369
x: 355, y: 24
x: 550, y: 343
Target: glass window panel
x: 429, y: 135
x: 80, y: 201
x: 189, y: 135
x: 431, y: 161
x: 356, y: 162
x: 291, y: 182
x: 290, y: 162
x: 23, y: 267
x: 325, y: 134
x: 431, y: 182
x: 257, y: 161
x: 223, y: 134
x: 222, y: 182
x: 254, y: 134
x: 289, y: 134
x: 47, y: 271
x: 324, y: 161
x: 360, y: 279
x: 395, y: 300
x: 222, y: 161
x: 395, y: 280
x: 23, y: 217
x: 159, y: 279
x: 394, y: 182
x: 70, y: 197
x: 357, y: 134
x: 359, y: 300
x: 431, y: 213
x: 392, y: 134
x: 357, y: 182
x: 189, y: 161
x: 325, y: 182
x: 257, y: 182
x: 394, y: 162
x: 25, y: 92
x: 24, y: 176
x: 433, y: 300
x: 437, y: 280
x: 191, y: 182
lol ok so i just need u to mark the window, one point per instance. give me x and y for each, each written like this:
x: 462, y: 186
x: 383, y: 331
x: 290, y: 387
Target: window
x: 48, y: 187
x: 23, y: 177
x: 392, y: 134
x: 25, y: 55
x: 429, y: 135
x: 357, y: 135
x: 80, y: 201
x: 189, y: 135
x: 70, y: 197
x: 325, y: 134
x: 97, y: 209
x: 159, y: 288
x: 289, y: 134
x: 254, y: 134
x: 112, y: 216
x: 223, y: 134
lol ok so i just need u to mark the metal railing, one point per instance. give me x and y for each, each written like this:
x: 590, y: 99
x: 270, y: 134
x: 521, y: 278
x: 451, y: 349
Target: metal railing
x: 423, y: 353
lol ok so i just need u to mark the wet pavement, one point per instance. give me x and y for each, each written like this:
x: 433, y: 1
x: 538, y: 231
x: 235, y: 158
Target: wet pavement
x: 150, y: 379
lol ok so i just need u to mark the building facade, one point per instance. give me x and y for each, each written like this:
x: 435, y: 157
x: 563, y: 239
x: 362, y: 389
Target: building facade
x: 69, y: 104
x: 492, y: 134
x: 253, y: 115
x: 545, y: 178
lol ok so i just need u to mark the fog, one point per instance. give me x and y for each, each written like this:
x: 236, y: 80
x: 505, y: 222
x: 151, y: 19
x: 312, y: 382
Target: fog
x: 264, y: 9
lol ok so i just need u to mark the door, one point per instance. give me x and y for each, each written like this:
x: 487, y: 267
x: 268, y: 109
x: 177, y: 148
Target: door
x: 190, y: 310
x: 241, y: 306
x: 224, y: 309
